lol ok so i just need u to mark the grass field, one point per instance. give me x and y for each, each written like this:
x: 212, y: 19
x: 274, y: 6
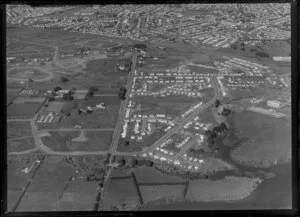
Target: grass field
x: 38, y: 201
x: 25, y: 109
x: 151, y: 175
x: 18, y: 129
x: 121, y: 194
x: 64, y: 141
x: 170, y: 193
x: 227, y: 189
x: 20, y: 144
x: 269, y: 139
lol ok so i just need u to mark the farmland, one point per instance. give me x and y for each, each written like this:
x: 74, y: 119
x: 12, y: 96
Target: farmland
x: 269, y: 140
x: 121, y: 195
x: 17, y: 129
x: 229, y: 188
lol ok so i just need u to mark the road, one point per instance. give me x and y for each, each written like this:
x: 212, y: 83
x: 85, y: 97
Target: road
x: 73, y: 129
x: 118, y: 128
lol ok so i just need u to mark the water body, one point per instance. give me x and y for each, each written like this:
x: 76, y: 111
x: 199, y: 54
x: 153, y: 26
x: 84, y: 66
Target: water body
x: 273, y: 193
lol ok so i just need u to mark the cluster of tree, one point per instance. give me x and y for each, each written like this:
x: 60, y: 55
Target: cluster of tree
x: 212, y: 134
x: 261, y: 54
x: 122, y: 93
x: 140, y: 46
x: 63, y: 79
x: 129, y: 162
x: 226, y: 111
x: 217, y: 103
x: 68, y: 96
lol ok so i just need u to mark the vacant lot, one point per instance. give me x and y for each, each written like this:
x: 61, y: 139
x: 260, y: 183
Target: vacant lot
x: 168, y: 193
x: 20, y: 144
x: 229, y: 188
x: 121, y: 194
x: 18, y: 129
x: 80, y: 195
x: 269, y: 139
x: 150, y: 175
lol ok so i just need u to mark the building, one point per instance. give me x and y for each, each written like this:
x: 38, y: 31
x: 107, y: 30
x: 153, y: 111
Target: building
x: 273, y: 103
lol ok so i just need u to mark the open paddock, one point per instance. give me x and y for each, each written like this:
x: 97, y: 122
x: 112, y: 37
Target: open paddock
x: 19, y: 145
x: 18, y: 129
x: 228, y: 189
x: 38, y: 201
x: 171, y: 105
x: 121, y: 194
x: 11, y: 93
x: 80, y: 195
x: 27, y: 73
x: 52, y: 176
x: 75, y: 141
x: 168, y: 193
x: 21, y: 100
x: 269, y: 139
x: 149, y: 175
x: 22, y: 110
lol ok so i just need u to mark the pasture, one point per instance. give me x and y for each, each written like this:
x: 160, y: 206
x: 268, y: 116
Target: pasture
x: 18, y: 129
x: 22, y: 110
x: 27, y: 73
x: 18, y: 145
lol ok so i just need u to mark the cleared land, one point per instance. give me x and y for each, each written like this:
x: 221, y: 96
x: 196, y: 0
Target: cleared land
x: 18, y: 129
x: 230, y: 188
x: 169, y: 193
x: 121, y: 194
x: 269, y: 140
x: 150, y: 175
x: 118, y: 173
x: 29, y: 100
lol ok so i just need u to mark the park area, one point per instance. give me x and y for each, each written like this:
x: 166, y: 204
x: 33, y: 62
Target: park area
x: 269, y: 139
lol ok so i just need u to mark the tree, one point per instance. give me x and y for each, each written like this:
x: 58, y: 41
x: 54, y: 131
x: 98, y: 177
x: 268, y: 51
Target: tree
x: 56, y: 88
x: 90, y: 93
x: 63, y: 79
x: 51, y: 98
x: 217, y: 103
x: 126, y: 143
x: 93, y: 88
